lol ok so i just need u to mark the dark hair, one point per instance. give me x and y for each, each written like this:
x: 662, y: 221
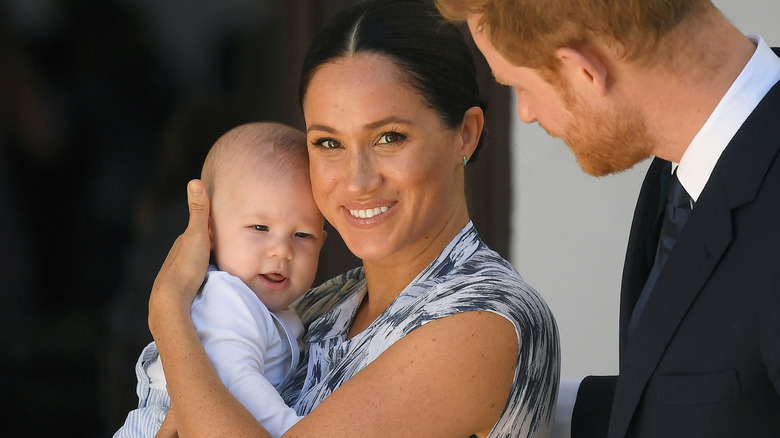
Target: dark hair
x: 431, y: 53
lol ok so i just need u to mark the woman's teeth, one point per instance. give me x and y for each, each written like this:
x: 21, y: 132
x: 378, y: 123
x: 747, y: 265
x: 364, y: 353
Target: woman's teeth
x: 371, y: 212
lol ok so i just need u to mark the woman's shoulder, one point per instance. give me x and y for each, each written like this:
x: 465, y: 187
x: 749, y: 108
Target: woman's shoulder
x: 486, y: 281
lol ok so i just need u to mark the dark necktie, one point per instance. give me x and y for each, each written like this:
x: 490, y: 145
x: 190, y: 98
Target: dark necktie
x: 678, y: 206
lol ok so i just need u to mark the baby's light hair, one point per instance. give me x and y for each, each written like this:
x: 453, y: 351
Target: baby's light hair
x: 256, y: 145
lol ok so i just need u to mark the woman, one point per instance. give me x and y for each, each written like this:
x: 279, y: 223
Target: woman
x: 435, y: 335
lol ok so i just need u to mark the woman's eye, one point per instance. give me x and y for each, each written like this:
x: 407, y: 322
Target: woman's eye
x: 261, y: 227
x: 327, y: 143
x: 390, y: 137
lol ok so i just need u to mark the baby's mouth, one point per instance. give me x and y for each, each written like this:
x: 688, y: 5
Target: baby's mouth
x: 274, y: 277
x: 275, y: 281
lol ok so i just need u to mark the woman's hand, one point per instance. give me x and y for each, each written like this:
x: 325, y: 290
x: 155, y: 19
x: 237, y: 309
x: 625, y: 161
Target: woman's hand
x: 168, y: 427
x: 185, y: 266
x: 204, y: 407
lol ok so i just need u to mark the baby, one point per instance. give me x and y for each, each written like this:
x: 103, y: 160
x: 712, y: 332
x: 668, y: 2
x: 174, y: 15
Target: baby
x: 266, y: 235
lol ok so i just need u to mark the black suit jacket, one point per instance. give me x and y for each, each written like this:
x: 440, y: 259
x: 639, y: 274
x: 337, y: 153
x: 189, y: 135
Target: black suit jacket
x: 704, y: 359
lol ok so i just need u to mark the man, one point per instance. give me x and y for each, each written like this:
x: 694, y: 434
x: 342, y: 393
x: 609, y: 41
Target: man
x: 620, y: 81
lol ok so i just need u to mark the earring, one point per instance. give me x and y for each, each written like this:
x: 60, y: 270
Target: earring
x: 465, y: 161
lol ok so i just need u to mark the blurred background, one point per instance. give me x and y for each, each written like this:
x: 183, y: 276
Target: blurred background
x: 107, y: 109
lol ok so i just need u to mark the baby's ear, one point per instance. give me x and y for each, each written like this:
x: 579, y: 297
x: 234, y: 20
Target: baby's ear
x: 212, y: 254
x: 211, y: 233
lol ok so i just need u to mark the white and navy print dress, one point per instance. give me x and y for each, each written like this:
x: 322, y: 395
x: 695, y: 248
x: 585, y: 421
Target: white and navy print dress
x: 467, y: 276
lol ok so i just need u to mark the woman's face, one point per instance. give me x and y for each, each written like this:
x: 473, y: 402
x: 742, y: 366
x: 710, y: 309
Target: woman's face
x: 385, y: 171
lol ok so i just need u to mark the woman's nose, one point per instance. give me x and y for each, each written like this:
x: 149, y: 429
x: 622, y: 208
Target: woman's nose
x: 363, y: 173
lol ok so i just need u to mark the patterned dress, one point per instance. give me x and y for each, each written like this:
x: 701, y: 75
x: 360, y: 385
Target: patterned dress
x: 466, y: 276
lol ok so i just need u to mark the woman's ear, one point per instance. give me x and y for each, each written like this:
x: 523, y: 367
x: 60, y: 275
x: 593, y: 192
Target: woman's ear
x: 584, y: 67
x: 471, y: 131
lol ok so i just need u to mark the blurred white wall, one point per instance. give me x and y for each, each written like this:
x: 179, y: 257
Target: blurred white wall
x: 570, y: 230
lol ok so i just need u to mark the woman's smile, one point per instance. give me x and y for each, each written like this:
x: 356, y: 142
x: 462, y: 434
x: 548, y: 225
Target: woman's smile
x: 369, y: 212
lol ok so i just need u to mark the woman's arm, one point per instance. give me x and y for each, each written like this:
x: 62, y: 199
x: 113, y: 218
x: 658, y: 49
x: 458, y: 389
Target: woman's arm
x: 448, y: 378
x: 204, y: 407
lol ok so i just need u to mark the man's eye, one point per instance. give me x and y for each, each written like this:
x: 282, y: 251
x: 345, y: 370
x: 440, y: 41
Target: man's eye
x: 261, y: 227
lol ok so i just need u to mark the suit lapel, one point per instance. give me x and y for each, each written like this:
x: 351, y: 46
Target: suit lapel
x: 734, y: 182
x: 705, y: 238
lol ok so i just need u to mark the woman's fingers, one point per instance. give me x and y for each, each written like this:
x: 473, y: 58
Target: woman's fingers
x: 168, y: 428
x: 185, y: 267
x: 194, y: 245
x: 198, y: 203
x: 188, y: 259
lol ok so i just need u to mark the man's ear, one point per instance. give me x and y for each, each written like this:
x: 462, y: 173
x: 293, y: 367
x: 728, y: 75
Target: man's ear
x: 584, y: 67
x: 470, y: 131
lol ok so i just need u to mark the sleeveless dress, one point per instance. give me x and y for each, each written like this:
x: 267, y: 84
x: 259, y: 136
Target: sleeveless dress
x: 466, y: 276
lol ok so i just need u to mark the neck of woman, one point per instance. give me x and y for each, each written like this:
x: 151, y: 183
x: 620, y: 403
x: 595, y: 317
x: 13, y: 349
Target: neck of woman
x: 387, y: 278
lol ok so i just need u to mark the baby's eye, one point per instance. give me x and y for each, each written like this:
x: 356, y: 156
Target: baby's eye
x: 261, y: 227
x: 303, y: 235
x: 390, y: 137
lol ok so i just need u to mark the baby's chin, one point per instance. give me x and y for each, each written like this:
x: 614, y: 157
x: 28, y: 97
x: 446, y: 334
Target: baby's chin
x: 278, y: 300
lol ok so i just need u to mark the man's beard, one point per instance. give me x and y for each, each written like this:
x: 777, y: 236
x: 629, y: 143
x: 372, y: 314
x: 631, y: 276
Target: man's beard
x: 605, y: 141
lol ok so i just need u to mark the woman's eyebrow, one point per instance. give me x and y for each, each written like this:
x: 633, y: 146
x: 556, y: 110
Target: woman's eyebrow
x: 320, y: 128
x: 387, y: 121
x: 369, y: 126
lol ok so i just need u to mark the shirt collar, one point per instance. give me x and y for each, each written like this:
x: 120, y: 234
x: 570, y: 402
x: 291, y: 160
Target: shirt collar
x: 759, y: 75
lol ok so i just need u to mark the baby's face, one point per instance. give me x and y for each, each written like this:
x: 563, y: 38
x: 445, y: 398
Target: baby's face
x: 267, y: 231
